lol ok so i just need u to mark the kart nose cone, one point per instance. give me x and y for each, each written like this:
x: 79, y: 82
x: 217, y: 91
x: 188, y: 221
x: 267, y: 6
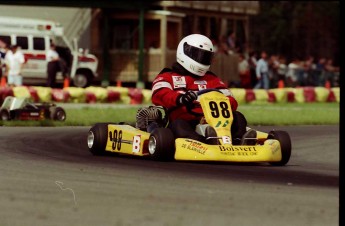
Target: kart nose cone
x: 152, y: 145
x: 90, y: 139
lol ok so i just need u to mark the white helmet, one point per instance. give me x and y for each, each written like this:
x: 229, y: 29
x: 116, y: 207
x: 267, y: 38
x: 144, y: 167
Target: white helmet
x: 194, y: 53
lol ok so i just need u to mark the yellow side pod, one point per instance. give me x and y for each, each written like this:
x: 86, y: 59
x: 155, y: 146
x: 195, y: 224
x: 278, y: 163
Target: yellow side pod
x: 192, y: 150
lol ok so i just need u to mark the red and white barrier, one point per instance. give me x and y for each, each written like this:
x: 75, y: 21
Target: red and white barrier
x: 143, y: 96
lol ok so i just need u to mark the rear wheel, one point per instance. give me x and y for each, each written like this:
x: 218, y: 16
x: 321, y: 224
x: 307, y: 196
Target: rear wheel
x: 57, y: 113
x: 97, y: 138
x: 285, y: 145
x: 162, y: 144
x: 5, y: 115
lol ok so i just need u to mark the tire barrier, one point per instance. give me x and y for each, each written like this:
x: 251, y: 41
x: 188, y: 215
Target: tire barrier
x: 143, y: 96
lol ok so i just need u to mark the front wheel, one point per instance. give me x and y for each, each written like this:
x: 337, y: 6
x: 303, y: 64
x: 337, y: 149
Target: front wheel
x: 285, y: 146
x: 162, y: 144
x: 97, y: 138
x: 5, y: 115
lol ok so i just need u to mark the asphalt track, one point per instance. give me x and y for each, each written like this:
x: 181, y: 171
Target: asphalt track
x: 48, y: 177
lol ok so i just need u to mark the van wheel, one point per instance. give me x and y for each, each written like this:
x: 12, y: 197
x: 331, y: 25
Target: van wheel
x: 81, y: 80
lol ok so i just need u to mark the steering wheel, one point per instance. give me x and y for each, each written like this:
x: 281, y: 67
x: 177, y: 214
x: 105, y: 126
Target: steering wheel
x: 191, y: 106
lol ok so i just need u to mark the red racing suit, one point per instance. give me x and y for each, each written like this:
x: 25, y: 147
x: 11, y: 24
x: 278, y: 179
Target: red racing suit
x: 169, y: 85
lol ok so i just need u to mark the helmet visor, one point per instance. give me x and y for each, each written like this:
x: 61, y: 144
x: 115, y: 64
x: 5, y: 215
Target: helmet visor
x: 199, y: 55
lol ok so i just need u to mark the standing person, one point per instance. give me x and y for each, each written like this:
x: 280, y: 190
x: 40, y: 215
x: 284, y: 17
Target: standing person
x: 14, y: 61
x: 262, y: 72
x: 282, y: 70
x: 292, y: 73
x: 244, y: 72
x: 252, y: 61
x: 3, y: 50
x: 176, y: 88
x: 320, y: 72
x: 232, y: 43
x: 329, y: 72
x: 53, y: 66
x: 273, y: 66
x: 309, y: 67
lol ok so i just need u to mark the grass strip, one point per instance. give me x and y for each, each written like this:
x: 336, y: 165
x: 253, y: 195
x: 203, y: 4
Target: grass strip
x: 256, y: 114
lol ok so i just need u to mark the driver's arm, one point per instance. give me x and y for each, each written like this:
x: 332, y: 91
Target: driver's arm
x: 163, y: 93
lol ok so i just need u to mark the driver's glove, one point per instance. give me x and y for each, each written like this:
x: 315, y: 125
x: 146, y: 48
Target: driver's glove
x: 187, y: 98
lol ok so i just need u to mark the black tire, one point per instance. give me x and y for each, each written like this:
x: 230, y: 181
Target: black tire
x: 97, y: 138
x: 57, y: 113
x: 162, y: 144
x: 5, y: 115
x: 81, y: 80
x: 285, y: 144
x: 238, y: 127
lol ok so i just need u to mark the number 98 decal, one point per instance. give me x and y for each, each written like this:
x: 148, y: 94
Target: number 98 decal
x: 116, y: 138
x: 215, y: 111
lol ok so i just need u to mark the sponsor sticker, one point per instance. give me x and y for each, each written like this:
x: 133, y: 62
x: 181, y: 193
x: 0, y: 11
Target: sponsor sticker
x: 236, y: 150
x: 226, y: 140
x: 202, y: 87
x: 195, y: 146
x: 200, y: 82
x: 179, y: 82
x: 136, y: 144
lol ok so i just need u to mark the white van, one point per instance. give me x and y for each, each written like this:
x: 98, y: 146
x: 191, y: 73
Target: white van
x: 34, y: 37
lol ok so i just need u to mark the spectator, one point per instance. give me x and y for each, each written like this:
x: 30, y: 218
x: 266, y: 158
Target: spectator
x: 282, y: 70
x: 55, y: 64
x: 14, y: 60
x: 231, y: 42
x: 300, y: 72
x: 244, y: 72
x: 320, y: 72
x: 262, y: 72
x: 252, y: 61
x: 3, y: 50
x: 309, y: 68
x: 273, y: 66
x: 329, y: 72
x: 223, y: 47
x: 292, y: 72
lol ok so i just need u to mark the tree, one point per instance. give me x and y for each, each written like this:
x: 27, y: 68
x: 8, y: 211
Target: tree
x: 297, y: 28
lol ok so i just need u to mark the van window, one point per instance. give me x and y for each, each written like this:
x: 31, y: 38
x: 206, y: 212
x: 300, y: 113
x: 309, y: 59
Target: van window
x: 6, y: 39
x: 22, y: 42
x: 39, y: 43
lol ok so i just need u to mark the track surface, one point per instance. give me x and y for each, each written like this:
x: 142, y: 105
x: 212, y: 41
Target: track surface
x: 48, y: 177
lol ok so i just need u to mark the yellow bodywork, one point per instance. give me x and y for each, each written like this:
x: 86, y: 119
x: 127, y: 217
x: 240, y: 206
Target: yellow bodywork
x: 127, y: 140
x: 187, y: 149
x: 222, y: 110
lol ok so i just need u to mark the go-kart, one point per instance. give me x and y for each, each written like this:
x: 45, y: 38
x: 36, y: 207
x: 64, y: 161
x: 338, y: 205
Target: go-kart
x: 15, y: 108
x: 160, y: 144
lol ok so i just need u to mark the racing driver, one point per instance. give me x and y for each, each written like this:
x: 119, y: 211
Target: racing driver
x: 176, y: 88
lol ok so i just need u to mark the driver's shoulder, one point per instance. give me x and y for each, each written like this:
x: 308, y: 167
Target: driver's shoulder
x: 211, y: 74
x: 165, y: 70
